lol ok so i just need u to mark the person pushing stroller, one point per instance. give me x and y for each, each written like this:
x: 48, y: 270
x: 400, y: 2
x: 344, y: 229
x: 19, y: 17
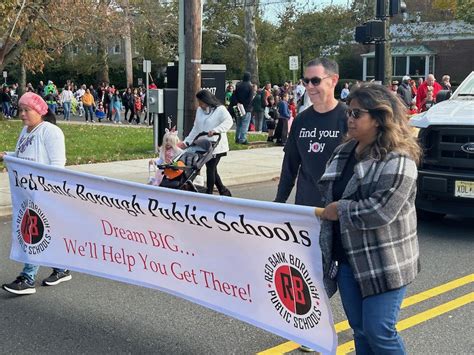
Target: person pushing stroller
x: 211, y: 117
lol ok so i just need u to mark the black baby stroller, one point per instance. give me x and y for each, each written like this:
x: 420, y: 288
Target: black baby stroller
x: 182, y: 171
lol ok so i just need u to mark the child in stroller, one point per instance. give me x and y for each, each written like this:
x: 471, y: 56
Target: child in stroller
x: 169, y: 150
x: 183, y: 170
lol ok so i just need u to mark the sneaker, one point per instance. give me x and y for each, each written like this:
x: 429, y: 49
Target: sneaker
x: 306, y: 349
x: 21, y: 286
x: 57, y: 277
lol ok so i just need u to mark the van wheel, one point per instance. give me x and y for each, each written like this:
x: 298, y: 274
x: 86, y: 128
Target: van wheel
x: 428, y: 215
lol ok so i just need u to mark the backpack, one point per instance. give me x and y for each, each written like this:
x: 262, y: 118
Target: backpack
x: 138, y: 104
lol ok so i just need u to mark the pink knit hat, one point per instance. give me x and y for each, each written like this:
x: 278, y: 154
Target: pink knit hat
x: 35, y: 102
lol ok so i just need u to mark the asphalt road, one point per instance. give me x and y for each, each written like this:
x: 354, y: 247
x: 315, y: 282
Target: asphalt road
x: 94, y: 315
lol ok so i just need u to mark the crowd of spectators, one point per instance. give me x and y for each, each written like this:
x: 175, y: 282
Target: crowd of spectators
x: 103, y: 102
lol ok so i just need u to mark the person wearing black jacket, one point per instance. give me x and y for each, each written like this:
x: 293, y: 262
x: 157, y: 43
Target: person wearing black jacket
x: 128, y: 103
x: 243, y: 95
x: 314, y: 135
x: 404, y: 91
x: 6, y: 102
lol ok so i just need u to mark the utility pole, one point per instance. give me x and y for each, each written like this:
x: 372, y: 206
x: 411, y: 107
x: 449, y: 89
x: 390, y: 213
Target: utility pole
x: 192, y: 59
x: 375, y: 32
x: 380, y: 14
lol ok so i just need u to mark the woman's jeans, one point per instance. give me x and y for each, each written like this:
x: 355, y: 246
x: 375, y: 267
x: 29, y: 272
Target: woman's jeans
x: 67, y: 110
x: 6, y: 108
x: 117, y: 115
x: 30, y: 271
x: 372, y: 318
x: 52, y: 108
x: 88, y: 112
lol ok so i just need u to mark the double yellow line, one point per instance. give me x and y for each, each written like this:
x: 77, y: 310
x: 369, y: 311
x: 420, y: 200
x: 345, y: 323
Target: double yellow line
x: 405, y: 323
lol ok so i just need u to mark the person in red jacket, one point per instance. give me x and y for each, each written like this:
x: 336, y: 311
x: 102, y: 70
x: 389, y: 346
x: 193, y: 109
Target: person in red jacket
x: 431, y: 85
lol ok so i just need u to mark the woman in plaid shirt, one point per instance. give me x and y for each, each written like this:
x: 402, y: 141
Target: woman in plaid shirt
x: 368, y: 234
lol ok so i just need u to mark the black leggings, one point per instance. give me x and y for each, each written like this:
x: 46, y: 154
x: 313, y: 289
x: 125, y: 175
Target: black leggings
x: 132, y: 113
x: 281, y: 130
x: 212, y: 175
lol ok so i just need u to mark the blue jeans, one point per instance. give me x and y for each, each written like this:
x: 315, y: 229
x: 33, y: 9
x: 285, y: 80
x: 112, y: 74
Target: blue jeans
x: 372, y: 318
x: 6, y: 108
x: 88, y: 112
x: 117, y: 116
x: 52, y: 108
x: 67, y: 109
x: 30, y: 271
x: 242, y: 127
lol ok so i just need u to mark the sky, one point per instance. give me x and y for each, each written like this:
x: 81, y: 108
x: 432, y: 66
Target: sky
x: 273, y: 7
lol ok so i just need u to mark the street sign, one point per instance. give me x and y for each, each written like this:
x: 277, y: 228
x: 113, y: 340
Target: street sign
x: 294, y: 62
x: 5, y: 74
x: 140, y: 81
x: 146, y: 66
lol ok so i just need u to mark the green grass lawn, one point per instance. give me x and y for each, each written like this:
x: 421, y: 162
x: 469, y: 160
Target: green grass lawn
x: 89, y: 143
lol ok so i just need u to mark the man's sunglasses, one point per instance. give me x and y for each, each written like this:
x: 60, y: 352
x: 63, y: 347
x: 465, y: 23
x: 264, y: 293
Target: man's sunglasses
x: 355, y: 113
x: 315, y: 80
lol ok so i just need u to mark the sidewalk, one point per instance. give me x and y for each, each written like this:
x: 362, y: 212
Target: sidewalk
x: 238, y: 167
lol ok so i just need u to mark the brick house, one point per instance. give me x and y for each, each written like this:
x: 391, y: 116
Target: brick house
x: 421, y: 48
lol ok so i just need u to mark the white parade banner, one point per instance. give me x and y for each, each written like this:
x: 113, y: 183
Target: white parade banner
x: 256, y: 261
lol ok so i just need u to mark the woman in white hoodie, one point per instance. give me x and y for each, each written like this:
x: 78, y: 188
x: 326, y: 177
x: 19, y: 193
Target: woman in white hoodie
x: 40, y: 141
x: 212, y: 117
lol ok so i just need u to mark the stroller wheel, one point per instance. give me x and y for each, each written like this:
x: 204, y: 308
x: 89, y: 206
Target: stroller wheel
x: 225, y: 192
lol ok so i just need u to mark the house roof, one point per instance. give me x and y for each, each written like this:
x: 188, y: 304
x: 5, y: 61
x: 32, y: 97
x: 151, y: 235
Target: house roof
x: 403, y: 51
x: 431, y: 31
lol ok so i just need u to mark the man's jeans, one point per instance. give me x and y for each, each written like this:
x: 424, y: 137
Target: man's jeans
x: 373, y: 318
x: 30, y: 271
x: 242, y: 127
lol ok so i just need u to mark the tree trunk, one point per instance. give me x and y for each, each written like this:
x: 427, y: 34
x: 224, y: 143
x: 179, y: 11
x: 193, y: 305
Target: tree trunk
x: 103, y: 62
x: 128, y: 47
x: 22, y: 83
x: 251, y: 41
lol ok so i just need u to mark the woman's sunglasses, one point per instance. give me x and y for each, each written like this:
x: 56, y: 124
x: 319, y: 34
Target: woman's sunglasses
x: 315, y: 80
x: 355, y: 113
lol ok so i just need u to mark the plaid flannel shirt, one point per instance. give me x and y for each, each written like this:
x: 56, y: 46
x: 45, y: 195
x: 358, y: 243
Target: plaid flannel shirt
x: 377, y: 217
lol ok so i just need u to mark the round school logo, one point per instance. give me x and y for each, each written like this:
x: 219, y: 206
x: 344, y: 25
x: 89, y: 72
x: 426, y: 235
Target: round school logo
x: 33, y: 228
x: 291, y: 291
